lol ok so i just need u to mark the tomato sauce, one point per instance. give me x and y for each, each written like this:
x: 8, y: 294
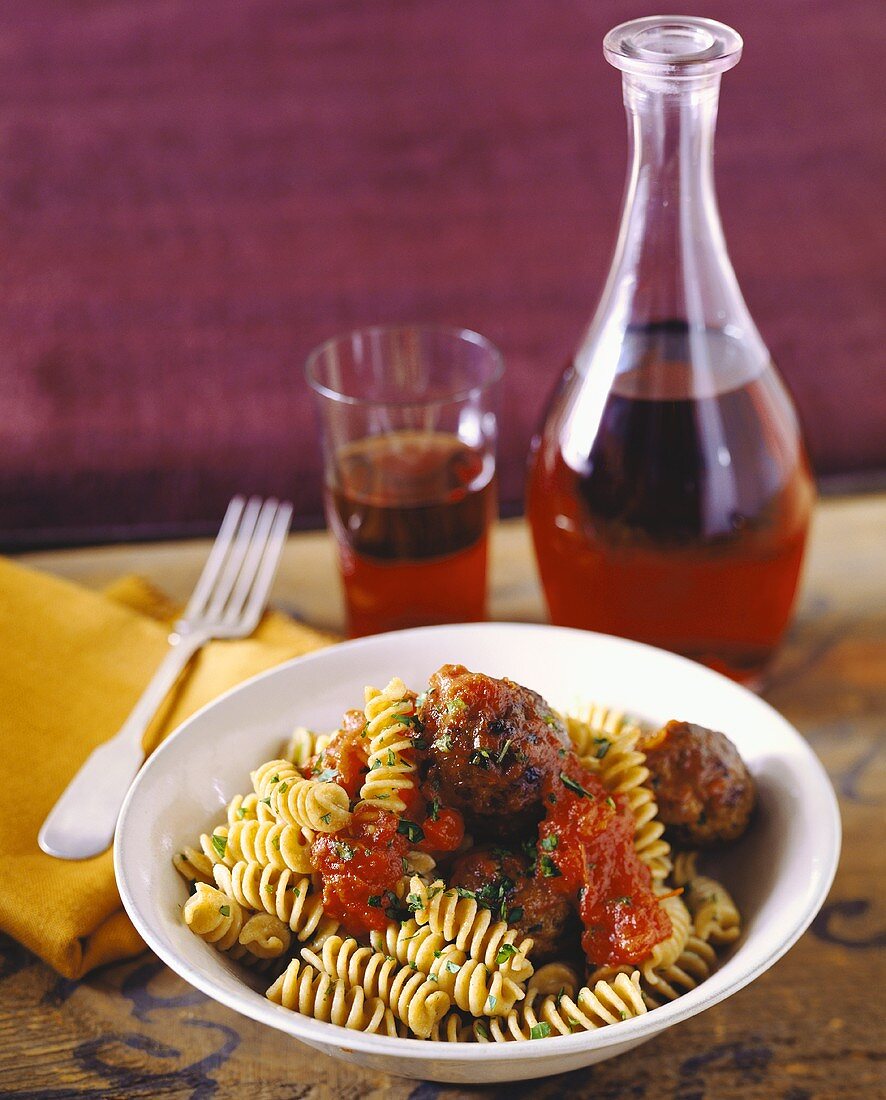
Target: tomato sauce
x: 361, y: 866
x: 345, y: 760
x: 586, y: 846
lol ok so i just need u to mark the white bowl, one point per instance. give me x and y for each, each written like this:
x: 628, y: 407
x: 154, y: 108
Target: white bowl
x: 779, y: 872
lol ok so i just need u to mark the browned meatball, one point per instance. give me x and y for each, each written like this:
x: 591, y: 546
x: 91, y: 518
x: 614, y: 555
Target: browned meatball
x: 492, y: 745
x: 503, y: 882
x: 704, y: 792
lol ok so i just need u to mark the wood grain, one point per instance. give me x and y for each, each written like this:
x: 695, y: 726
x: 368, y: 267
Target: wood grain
x: 809, y: 1028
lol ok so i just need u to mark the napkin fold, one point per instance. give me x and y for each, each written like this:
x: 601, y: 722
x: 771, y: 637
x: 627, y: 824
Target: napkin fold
x: 73, y: 662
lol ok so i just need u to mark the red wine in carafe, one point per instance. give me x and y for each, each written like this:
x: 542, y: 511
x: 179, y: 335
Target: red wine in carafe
x: 680, y: 518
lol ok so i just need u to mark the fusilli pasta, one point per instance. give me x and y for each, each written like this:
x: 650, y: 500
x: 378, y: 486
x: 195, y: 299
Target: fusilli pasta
x: 472, y: 928
x: 307, y: 803
x: 389, y: 719
x: 410, y: 995
x: 538, y: 1016
x: 282, y: 893
x: 314, y: 993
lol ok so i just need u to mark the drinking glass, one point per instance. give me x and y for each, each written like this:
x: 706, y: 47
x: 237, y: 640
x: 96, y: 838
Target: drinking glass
x: 409, y: 432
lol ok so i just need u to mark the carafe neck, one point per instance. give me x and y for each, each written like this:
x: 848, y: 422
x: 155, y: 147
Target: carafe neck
x: 671, y: 255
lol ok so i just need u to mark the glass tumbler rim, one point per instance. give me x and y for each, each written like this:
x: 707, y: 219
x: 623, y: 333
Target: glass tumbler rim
x: 456, y: 333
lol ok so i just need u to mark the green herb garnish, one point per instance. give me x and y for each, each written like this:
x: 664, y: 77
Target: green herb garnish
x: 413, y: 833
x: 540, y: 1031
x: 577, y: 788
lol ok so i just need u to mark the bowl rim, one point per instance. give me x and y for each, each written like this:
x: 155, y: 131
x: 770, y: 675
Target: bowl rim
x: 632, y: 1031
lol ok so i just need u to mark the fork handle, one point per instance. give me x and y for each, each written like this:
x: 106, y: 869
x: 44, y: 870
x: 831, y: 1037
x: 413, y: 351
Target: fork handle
x: 81, y: 823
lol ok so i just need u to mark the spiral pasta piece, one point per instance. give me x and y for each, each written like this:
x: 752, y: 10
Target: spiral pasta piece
x: 270, y: 774
x: 593, y: 728
x: 270, y: 844
x: 193, y: 865
x: 411, y: 996
x: 623, y: 771
x: 474, y: 988
x: 242, y: 807
x: 300, y: 747
x: 265, y: 936
x: 715, y: 915
x: 472, y: 929
x: 314, y: 993
x: 217, y: 919
x: 452, y: 1029
x: 283, y: 894
x: 389, y: 719
x: 553, y: 977
x: 420, y: 863
x: 695, y: 964
x: 306, y: 803
x: 470, y: 984
x: 415, y: 945
x: 666, y: 953
x: 538, y: 1017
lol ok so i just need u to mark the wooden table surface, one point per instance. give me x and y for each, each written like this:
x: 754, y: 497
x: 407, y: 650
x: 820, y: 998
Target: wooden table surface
x: 810, y: 1027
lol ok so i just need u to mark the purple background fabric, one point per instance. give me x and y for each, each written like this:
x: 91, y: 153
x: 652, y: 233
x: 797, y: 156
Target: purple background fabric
x: 194, y: 194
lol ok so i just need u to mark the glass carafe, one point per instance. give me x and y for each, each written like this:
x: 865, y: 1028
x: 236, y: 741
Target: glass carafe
x: 669, y: 492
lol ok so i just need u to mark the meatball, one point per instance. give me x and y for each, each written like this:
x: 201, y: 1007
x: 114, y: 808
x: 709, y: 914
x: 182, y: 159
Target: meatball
x: 492, y: 747
x: 503, y: 881
x: 704, y: 791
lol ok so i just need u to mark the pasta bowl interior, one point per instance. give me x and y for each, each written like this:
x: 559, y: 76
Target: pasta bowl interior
x: 778, y: 873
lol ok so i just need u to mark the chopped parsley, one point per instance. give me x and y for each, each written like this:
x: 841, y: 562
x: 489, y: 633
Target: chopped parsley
x: 241, y: 812
x: 549, y: 869
x: 540, y: 1031
x: 492, y: 1002
x: 344, y: 851
x: 503, y: 752
x: 219, y: 844
x: 433, y: 809
x: 415, y: 903
x: 276, y: 843
x: 549, y: 843
x: 551, y: 721
x: 326, y: 776
x: 326, y: 818
x: 455, y: 705
x: 443, y: 743
x: 480, y: 1030
x: 225, y: 910
x: 283, y: 788
x: 480, y: 758
x: 515, y: 914
x: 505, y: 952
x: 392, y: 758
x: 375, y: 901
x: 611, y: 803
x: 408, y: 720
x: 413, y: 833
x: 576, y: 788
x: 603, y: 745
x: 452, y: 967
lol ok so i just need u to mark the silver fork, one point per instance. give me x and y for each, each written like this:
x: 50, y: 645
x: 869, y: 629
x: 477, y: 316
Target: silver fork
x: 227, y: 603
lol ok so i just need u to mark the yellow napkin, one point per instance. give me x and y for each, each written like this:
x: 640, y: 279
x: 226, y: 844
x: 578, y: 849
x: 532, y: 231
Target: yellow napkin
x: 72, y: 664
